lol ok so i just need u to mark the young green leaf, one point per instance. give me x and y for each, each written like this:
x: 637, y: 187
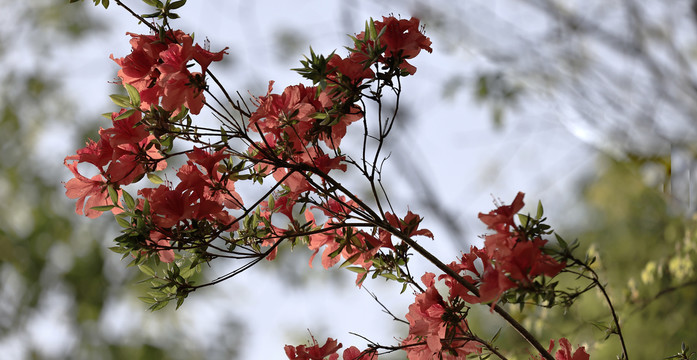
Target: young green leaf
x: 130, y: 203
x: 540, y: 210
x: 103, y: 208
x: 146, y: 270
x: 133, y: 94
x: 155, y: 179
x: 121, y: 100
x: 113, y: 195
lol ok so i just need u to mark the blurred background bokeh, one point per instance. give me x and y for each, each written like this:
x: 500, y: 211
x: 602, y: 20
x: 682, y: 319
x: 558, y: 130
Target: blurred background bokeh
x: 588, y: 106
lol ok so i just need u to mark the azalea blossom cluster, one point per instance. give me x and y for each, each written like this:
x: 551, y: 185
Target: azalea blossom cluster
x: 293, y: 137
x: 438, y: 326
x: 123, y: 154
x: 158, y: 68
x: 509, y: 258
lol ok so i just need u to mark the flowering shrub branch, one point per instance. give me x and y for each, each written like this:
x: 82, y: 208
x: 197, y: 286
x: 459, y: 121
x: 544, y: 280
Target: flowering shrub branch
x: 288, y: 144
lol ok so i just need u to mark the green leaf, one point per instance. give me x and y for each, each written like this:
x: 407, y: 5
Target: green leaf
x: 357, y: 269
x: 147, y: 300
x: 360, y: 281
x: 180, y: 301
x: 223, y: 135
x: 121, y: 100
x: 155, y: 179
x: 152, y: 15
x: 159, y: 305
x: 389, y: 276
x: 122, y: 222
x: 130, y: 203
x: 102, y: 208
x: 113, y: 195
x: 523, y: 220
x: 125, y: 114
x: 272, y: 203
x: 186, y: 273
x: 146, y: 270
x: 496, y: 336
x: 177, y: 4
x: 116, y: 249
x: 372, y: 30
x: 540, y: 210
x: 146, y: 207
x: 133, y: 94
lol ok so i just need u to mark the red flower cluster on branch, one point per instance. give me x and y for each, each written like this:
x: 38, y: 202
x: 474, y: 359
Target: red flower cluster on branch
x: 123, y: 154
x: 437, y: 328
x: 402, y: 39
x: 509, y: 258
x: 158, y: 69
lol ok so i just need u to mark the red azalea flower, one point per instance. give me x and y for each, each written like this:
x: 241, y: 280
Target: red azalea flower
x: 88, y: 192
x: 350, y: 67
x: 402, y: 40
x: 98, y: 153
x: 436, y: 337
x: 502, y: 218
x: 205, y: 57
x: 402, y: 37
x: 125, y: 131
x: 140, y: 67
x: 564, y: 353
x: 314, y: 352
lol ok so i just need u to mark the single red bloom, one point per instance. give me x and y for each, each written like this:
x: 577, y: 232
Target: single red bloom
x: 428, y: 324
x: 139, y: 67
x: 502, y: 218
x: 314, y: 352
x: 564, y: 353
x: 205, y: 57
x: 179, y: 90
x: 350, y: 67
x: 402, y: 37
x: 409, y: 226
x: 125, y: 131
x: 88, y: 192
x: 98, y: 153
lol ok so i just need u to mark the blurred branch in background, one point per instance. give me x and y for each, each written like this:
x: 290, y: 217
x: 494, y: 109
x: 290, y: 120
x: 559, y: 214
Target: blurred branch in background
x: 619, y: 75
